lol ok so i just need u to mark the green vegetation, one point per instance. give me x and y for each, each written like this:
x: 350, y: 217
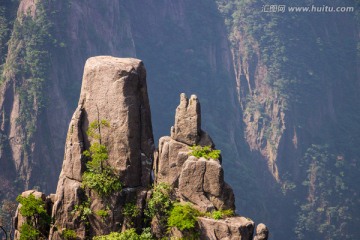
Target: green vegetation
x: 68, y: 234
x: 102, y: 213
x: 8, y: 11
x: 31, y: 206
x: 160, y: 202
x: 183, y: 217
x: 299, y: 81
x: 205, y: 152
x: 99, y: 176
x: 262, y: 30
x: 129, y: 234
x: 28, y: 232
x: 37, y: 221
x: 103, y: 182
x: 174, y: 214
x: 29, y: 65
x: 220, y: 214
x: 159, y: 205
x: 83, y: 210
x: 131, y: 211
x: 94, y: 130
x: 326, y: 212
x: 4, y: 31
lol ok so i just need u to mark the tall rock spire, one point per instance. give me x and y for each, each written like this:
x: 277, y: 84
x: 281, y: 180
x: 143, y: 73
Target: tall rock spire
x: 187, y: 126
x: 114, y: 90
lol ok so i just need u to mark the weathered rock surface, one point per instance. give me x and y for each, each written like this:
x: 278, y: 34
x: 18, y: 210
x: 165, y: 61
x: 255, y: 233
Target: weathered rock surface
x: 202, y: 183
x: 169, y: 160
x: 199, y: 181
x: 235, y: 228
x: 262, y: 232
x: 187, y: 121
x: 113, y: 89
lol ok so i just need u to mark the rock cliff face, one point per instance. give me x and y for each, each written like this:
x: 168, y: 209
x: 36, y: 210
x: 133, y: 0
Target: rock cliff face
x: 294, y: 94
x: 115, y: 90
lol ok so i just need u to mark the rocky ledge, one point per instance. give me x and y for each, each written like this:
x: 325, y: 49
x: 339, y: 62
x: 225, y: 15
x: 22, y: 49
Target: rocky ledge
x: 113, y: 179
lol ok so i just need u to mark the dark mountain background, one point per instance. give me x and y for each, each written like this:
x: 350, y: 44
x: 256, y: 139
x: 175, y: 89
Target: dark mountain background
x: 280, y: 94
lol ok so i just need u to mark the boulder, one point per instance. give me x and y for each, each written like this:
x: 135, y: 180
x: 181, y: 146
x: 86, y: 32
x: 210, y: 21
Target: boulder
x: 169, y: 161
x: 234, y: 228
x: 262, y: 232
x: 202, y: 183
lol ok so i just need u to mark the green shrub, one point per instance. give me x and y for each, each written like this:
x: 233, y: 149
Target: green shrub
x: 160, y: 203
x: 205, y: 152
x: 94, y: 130
x: 102, y: 213
x: 146, y: 234
x: 68, y: 234
x: 99, y: 176
x: 216, y: 215
x: 31, y: 206
x: 131, y: 210
x: 98, y: 154
x: 28, y: 232
x: 183, y: 217
x: 129, y: 234
x: 83, y: 210
x: 103, y: 182
x: 37, y: 220
x: 222, y: 214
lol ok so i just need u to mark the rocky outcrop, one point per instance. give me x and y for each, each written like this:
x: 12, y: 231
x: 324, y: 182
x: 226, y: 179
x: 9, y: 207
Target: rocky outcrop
x: 199, y: 181
x: 262, y: 232
x: 235, y: 228
x: 174, y: 151
x: 114, y: 90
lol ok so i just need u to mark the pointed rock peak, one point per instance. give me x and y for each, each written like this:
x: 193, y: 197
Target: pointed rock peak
x: 187, y: 128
